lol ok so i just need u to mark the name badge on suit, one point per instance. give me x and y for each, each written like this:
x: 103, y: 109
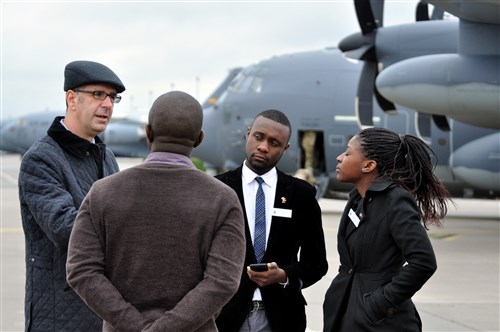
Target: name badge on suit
x: 285, y: 213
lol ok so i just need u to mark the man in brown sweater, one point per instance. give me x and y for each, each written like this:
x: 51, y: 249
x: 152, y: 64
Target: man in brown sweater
x: 159, y: 246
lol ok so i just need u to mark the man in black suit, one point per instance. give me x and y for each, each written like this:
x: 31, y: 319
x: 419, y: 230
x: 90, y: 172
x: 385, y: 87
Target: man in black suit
x: 272, y: 300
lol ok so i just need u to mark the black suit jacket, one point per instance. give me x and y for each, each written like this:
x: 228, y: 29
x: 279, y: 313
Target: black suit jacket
x: 285, y: 306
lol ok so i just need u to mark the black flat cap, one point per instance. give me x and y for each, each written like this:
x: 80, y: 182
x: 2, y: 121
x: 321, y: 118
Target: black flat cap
x: 78, y: 73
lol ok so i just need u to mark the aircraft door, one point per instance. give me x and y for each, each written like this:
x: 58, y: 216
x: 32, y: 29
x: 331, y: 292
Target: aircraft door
x: 312, y: 166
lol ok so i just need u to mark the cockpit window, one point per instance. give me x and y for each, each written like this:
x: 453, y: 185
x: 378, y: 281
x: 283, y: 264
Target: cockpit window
x: 249, y: 79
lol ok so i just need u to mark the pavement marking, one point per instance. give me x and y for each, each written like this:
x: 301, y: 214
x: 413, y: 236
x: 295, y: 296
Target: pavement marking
x: 9, y: 178
x: 445, y: 236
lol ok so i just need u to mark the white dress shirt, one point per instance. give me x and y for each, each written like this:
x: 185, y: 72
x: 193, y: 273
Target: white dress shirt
x: 250, y: 187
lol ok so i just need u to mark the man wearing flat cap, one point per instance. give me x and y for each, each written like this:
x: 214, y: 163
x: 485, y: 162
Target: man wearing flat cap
x: 56, y: 173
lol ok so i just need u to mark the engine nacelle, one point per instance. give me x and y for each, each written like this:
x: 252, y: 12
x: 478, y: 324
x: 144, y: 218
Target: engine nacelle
x: 465, y: 88
x: 478, y: 162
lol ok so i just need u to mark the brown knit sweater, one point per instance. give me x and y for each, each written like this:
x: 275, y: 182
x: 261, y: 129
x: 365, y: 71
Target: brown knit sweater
x: 157, y: 247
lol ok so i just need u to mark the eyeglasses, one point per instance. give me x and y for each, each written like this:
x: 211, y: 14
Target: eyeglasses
x: 101, y: 95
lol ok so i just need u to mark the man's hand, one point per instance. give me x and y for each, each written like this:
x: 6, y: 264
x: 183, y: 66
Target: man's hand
x: 273, y: 275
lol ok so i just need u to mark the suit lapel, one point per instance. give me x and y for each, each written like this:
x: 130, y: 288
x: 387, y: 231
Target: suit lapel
x: 283, y: 199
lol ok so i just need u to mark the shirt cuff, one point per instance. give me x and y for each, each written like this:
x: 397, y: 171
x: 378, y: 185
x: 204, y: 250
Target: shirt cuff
x: 284, y: 284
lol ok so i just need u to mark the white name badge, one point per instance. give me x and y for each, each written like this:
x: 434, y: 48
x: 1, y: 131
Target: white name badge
x: 285, y: 213
x: 354, y: 217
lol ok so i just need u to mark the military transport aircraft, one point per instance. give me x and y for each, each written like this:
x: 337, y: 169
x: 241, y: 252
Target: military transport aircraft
x: 125, y: 136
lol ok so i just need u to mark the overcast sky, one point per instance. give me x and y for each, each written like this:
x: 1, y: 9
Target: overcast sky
x: 157, y: 46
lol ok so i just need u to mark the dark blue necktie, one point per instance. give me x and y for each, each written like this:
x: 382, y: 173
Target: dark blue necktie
x: 259, y: 243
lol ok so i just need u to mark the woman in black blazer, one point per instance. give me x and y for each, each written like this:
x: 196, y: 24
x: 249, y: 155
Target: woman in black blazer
x: 385, y: 253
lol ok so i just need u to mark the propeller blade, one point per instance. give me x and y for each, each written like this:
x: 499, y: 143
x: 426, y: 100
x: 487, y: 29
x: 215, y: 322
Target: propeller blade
x: 385, y: 104
x: 437, y: 14
x: 370, y: 14
x: 441, y: 122
x: 378, y: 11
x: 364, y: 99
x: 361, y: 46
x: 422, y: 12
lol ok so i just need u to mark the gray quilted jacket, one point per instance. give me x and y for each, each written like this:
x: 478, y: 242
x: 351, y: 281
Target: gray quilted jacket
x: 56, y: 173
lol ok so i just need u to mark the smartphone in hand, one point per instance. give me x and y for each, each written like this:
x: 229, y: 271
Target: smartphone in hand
x: 259, y: 267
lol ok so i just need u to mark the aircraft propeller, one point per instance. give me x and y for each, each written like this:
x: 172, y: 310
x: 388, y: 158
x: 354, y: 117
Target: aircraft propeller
x: 361, y: 46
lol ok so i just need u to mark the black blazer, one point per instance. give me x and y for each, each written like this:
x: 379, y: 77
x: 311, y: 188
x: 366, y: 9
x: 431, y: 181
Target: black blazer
x: 285, y: 306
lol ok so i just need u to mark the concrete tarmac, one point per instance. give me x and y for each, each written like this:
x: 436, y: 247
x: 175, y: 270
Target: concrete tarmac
x: 463, y: 294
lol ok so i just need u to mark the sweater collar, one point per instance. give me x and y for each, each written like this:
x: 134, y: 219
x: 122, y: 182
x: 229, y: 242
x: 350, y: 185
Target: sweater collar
x: 163, y: 157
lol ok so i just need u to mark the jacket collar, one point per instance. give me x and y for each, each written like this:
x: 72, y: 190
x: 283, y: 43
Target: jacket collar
x: 378, y: 185
x: 70, y: 142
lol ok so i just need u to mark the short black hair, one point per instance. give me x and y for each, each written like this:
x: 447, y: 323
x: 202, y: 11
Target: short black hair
x: 276, y: 116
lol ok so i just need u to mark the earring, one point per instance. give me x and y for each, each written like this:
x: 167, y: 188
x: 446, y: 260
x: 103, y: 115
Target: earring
x: 362, y: 170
